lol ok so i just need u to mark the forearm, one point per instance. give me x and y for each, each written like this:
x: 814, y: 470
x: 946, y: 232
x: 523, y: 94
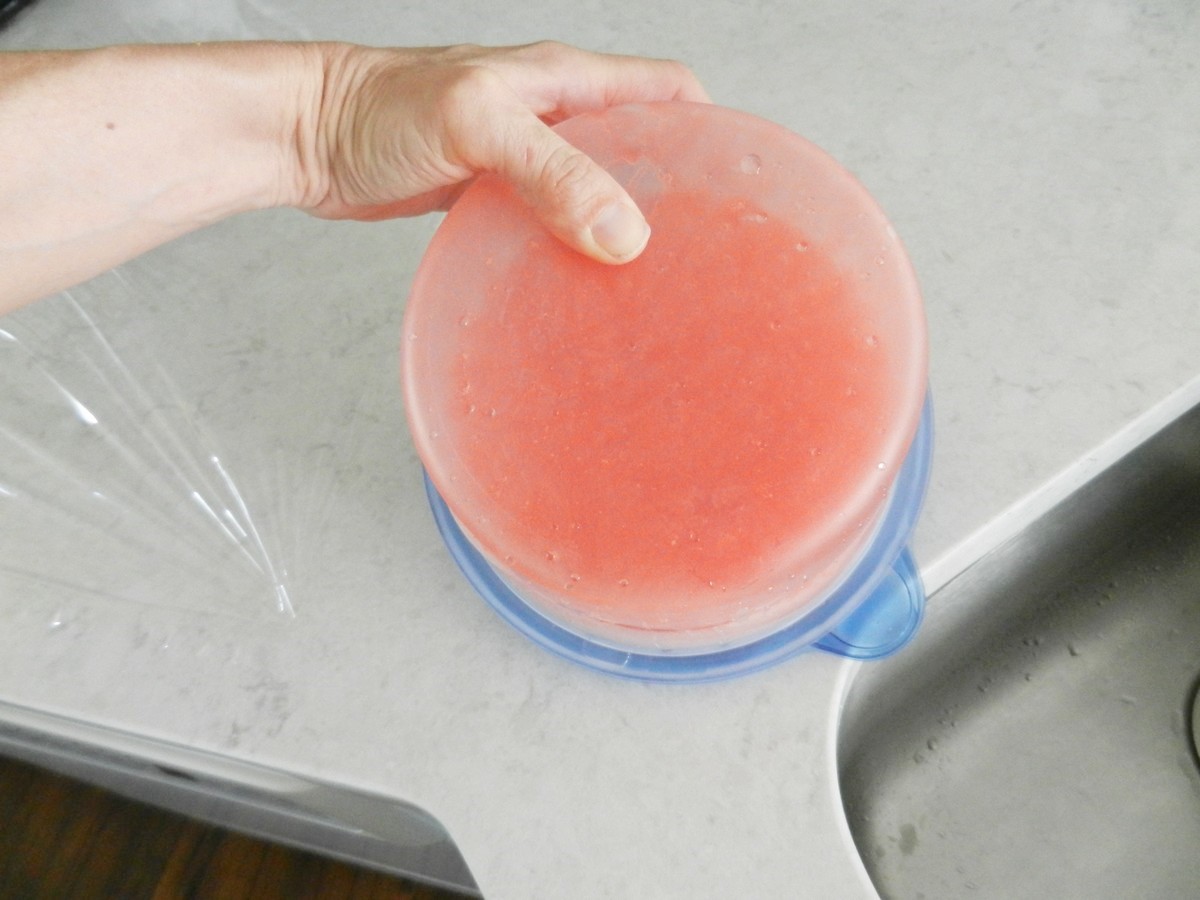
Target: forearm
x: 107, y: 153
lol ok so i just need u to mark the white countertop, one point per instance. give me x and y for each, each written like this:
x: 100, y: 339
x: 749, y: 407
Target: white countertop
x: 1041, y: 163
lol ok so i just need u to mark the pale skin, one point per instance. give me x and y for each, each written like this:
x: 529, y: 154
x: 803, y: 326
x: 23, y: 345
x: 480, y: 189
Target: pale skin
x: 105, y: 154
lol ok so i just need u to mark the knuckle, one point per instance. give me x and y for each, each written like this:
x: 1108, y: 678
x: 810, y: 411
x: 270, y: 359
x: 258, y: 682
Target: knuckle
x: 455, y: 54
x: 681, y: 69
x: 569, y: 178
x: 678, y: 73
x: 549, y: 51
x: 475, y: 81
x: 466, y: 89
x: 688, y: 74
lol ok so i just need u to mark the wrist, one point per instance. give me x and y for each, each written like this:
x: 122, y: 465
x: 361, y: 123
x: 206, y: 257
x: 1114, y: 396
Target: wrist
x: 320, y: 110
x: 304, y: 143
x: 262, y: 94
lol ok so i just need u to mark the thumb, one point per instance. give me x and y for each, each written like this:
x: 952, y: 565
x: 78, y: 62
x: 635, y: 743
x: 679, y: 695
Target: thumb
x: 573, y: 197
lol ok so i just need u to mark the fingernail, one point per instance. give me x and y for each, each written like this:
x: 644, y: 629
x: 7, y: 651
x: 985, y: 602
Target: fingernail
x: 620, y: 231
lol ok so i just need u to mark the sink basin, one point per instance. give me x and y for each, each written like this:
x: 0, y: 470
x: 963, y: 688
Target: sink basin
x: 1039, y: 738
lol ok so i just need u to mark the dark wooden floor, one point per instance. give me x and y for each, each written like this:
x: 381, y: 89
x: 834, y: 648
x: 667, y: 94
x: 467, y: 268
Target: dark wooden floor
x: 63, y: 839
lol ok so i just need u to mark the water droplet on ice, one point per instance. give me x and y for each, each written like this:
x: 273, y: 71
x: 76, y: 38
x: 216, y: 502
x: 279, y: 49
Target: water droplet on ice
x: 751, y: 164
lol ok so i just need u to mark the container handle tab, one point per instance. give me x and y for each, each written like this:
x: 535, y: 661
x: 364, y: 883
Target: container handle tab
x: 886, y: 620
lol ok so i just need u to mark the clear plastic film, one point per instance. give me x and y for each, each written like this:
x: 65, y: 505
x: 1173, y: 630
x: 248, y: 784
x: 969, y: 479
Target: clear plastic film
x: 108, y: 468
x: 194, y: 431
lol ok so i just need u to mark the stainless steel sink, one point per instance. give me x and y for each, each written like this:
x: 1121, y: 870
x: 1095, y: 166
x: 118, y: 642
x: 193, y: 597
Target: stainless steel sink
x: 1039, y: 738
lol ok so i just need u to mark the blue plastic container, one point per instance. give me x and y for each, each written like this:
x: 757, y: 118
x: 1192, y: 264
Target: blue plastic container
x: 873, y: 612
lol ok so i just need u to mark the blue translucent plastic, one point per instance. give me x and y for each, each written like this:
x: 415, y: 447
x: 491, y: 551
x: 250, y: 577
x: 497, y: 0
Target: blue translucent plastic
x: 874, y: 612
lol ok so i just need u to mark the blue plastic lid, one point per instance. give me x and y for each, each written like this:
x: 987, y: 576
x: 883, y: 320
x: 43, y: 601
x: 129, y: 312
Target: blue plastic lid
x: 872, y: 613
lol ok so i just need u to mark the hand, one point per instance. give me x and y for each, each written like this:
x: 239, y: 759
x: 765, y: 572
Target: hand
x: 404, y: 132
x: 110, y: 152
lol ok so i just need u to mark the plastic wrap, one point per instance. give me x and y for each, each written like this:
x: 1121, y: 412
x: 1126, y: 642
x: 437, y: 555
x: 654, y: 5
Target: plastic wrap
x: 215, y: 429
x: 108, y: 467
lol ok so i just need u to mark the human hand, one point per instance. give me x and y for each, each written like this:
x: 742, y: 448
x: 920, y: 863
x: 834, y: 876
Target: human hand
x: 112, y: 151
x: 403, y: 132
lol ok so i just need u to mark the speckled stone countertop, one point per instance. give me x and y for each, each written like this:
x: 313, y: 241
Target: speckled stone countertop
x: 223, y: 541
